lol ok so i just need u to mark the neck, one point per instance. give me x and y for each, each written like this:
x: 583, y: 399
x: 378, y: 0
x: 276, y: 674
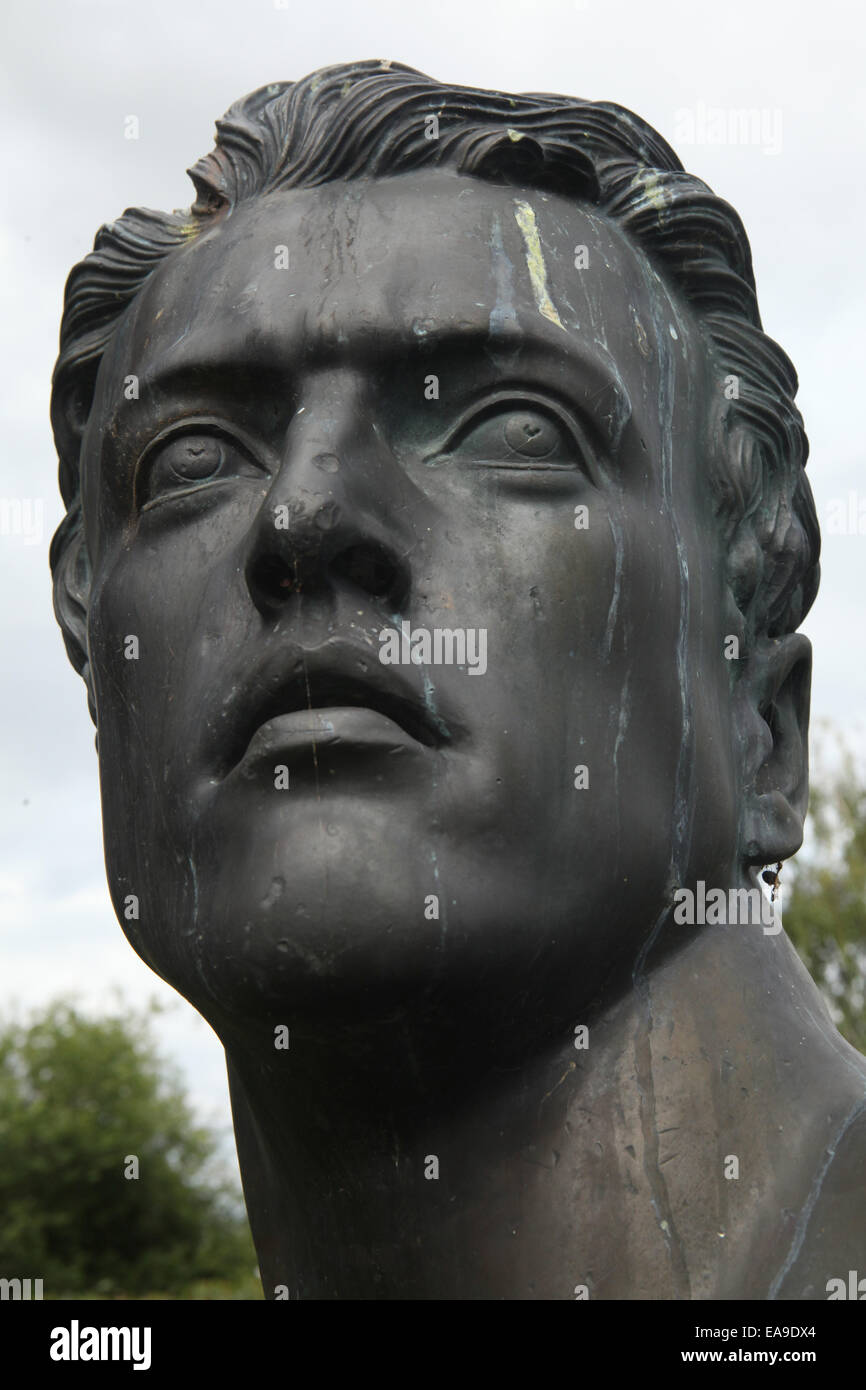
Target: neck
x: 604, y: 1169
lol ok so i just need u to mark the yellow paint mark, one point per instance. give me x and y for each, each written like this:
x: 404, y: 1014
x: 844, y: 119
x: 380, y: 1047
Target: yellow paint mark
x: 568, y: 1070
x: 654, y: 192
x: 535, y: 262
x: 514, y: 134
x: 643, y: 346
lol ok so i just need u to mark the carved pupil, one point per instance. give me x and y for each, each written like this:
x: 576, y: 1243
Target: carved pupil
x: 192, y: 459
x: 530, y: 435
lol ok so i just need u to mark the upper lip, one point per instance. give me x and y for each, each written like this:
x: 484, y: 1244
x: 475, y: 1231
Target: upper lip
x: 328, y: 677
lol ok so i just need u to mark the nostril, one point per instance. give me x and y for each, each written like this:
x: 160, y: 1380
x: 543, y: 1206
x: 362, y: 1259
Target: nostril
x: 371, y: 568
x: 273, y: 577
x: 367, y: 566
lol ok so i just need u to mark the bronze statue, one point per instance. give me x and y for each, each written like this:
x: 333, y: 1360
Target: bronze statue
x: 437, y: 539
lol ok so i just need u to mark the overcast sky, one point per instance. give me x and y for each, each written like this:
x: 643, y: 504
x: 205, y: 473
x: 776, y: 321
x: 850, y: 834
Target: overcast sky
x: 77, y: 69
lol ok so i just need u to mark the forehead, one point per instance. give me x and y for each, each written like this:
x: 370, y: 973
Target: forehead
x: 357, y: 267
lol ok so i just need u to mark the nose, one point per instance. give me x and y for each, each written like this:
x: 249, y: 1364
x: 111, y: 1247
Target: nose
x: 324, y: 525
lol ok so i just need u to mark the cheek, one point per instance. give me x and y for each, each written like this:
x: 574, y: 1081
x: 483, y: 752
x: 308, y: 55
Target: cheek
x: 635, y: 673
x: 158, y: 610
x: 132, y: 632
x: 585, y: 673
x: 146, y: 690
x: 150, y: 669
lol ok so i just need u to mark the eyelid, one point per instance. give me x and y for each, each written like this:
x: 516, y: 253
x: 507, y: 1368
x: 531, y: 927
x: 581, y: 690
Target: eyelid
x: 197, y: 424
x: 519, y: 397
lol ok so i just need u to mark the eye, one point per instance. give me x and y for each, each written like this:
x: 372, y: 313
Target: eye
x: 517, y: 435
x: 192, y: 458
x: 183, y: 462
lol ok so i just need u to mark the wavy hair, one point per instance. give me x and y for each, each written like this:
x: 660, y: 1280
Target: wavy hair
x: 367, y: 120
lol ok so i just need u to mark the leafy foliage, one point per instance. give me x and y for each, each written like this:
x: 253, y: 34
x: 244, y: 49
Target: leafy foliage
x: 78, y: 1097
x: 825, y: 909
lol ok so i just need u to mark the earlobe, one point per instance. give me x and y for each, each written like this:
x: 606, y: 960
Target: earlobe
x: 70, y: 563
x: 773, y: 720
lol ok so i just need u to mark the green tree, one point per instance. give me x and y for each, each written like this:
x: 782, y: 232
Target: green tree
x: 825, y: 906
x: 79, y: 1099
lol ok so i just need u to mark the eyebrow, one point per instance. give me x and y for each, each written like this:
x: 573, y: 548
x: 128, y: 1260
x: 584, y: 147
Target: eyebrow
x: 598, y: 392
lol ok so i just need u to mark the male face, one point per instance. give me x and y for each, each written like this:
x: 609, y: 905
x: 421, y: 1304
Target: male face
x: 302, y: 824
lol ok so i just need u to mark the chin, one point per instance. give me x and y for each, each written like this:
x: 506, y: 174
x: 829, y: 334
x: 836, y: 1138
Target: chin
x: 313, y: 946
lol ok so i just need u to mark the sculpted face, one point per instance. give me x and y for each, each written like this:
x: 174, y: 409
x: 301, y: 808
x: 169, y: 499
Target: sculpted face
x: 287, y: 487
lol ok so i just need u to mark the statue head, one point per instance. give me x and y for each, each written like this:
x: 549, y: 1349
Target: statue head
x: 437, y: 535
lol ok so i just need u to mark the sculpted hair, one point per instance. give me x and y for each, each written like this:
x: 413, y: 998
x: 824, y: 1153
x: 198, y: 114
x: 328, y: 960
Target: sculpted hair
x: 369, y: 120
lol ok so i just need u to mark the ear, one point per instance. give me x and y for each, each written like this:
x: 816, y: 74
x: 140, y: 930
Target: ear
x: 70, y: 563
x: 772, y: 718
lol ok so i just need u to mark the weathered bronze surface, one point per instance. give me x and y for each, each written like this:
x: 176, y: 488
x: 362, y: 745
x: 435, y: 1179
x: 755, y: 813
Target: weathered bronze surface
x: 437, y: 541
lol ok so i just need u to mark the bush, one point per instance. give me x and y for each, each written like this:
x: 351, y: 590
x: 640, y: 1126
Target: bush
x: 80, y: 1099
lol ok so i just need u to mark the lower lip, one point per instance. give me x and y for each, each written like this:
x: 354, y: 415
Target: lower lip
x: 345, y: 727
